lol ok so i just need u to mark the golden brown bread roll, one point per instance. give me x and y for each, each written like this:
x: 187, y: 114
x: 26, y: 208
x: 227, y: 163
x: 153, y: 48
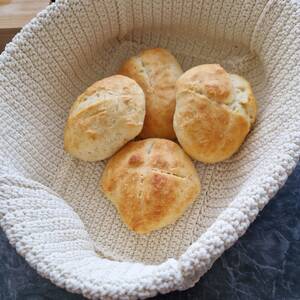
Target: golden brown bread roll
x: 156, y: 71
x: 104, y: 118
x: 151, y: 182
x: 214, y: 112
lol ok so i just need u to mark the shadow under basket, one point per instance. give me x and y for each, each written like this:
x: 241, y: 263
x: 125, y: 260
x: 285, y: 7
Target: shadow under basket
x: 51, y: 207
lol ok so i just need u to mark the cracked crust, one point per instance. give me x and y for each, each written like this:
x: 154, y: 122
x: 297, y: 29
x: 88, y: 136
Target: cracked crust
x: 104, y: 118
x: 214, y: 112
x: 151, y: 183
x: 156, y: 71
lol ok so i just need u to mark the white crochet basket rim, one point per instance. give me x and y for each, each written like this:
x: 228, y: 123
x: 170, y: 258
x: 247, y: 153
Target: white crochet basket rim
x: 170, y: 275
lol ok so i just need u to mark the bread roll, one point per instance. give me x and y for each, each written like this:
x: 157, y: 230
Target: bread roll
x: 104, y: 118
x: 151, y: 182
x: 214, y: 112
x: 156, y: 71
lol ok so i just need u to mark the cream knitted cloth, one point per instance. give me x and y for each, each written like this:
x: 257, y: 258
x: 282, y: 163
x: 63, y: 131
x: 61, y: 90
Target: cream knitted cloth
x: 50, y: 206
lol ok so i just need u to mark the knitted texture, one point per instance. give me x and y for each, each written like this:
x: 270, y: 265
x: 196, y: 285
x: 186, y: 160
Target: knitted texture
x: 50, y: 205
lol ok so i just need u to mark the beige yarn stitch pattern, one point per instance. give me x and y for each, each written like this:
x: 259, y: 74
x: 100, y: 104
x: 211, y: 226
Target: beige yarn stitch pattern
x: 50, y: 207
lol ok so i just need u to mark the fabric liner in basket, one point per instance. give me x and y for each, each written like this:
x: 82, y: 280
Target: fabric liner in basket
x: 50, y: 205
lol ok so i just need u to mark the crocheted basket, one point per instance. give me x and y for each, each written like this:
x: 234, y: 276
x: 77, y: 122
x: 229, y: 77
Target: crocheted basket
x: 50, y: 206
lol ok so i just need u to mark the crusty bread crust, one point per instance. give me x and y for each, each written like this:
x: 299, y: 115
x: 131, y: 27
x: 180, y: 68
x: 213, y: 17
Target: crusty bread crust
x: 214, y: 112
x: 104, y: 118
x: 156, y: 71
x: 151, y: 182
